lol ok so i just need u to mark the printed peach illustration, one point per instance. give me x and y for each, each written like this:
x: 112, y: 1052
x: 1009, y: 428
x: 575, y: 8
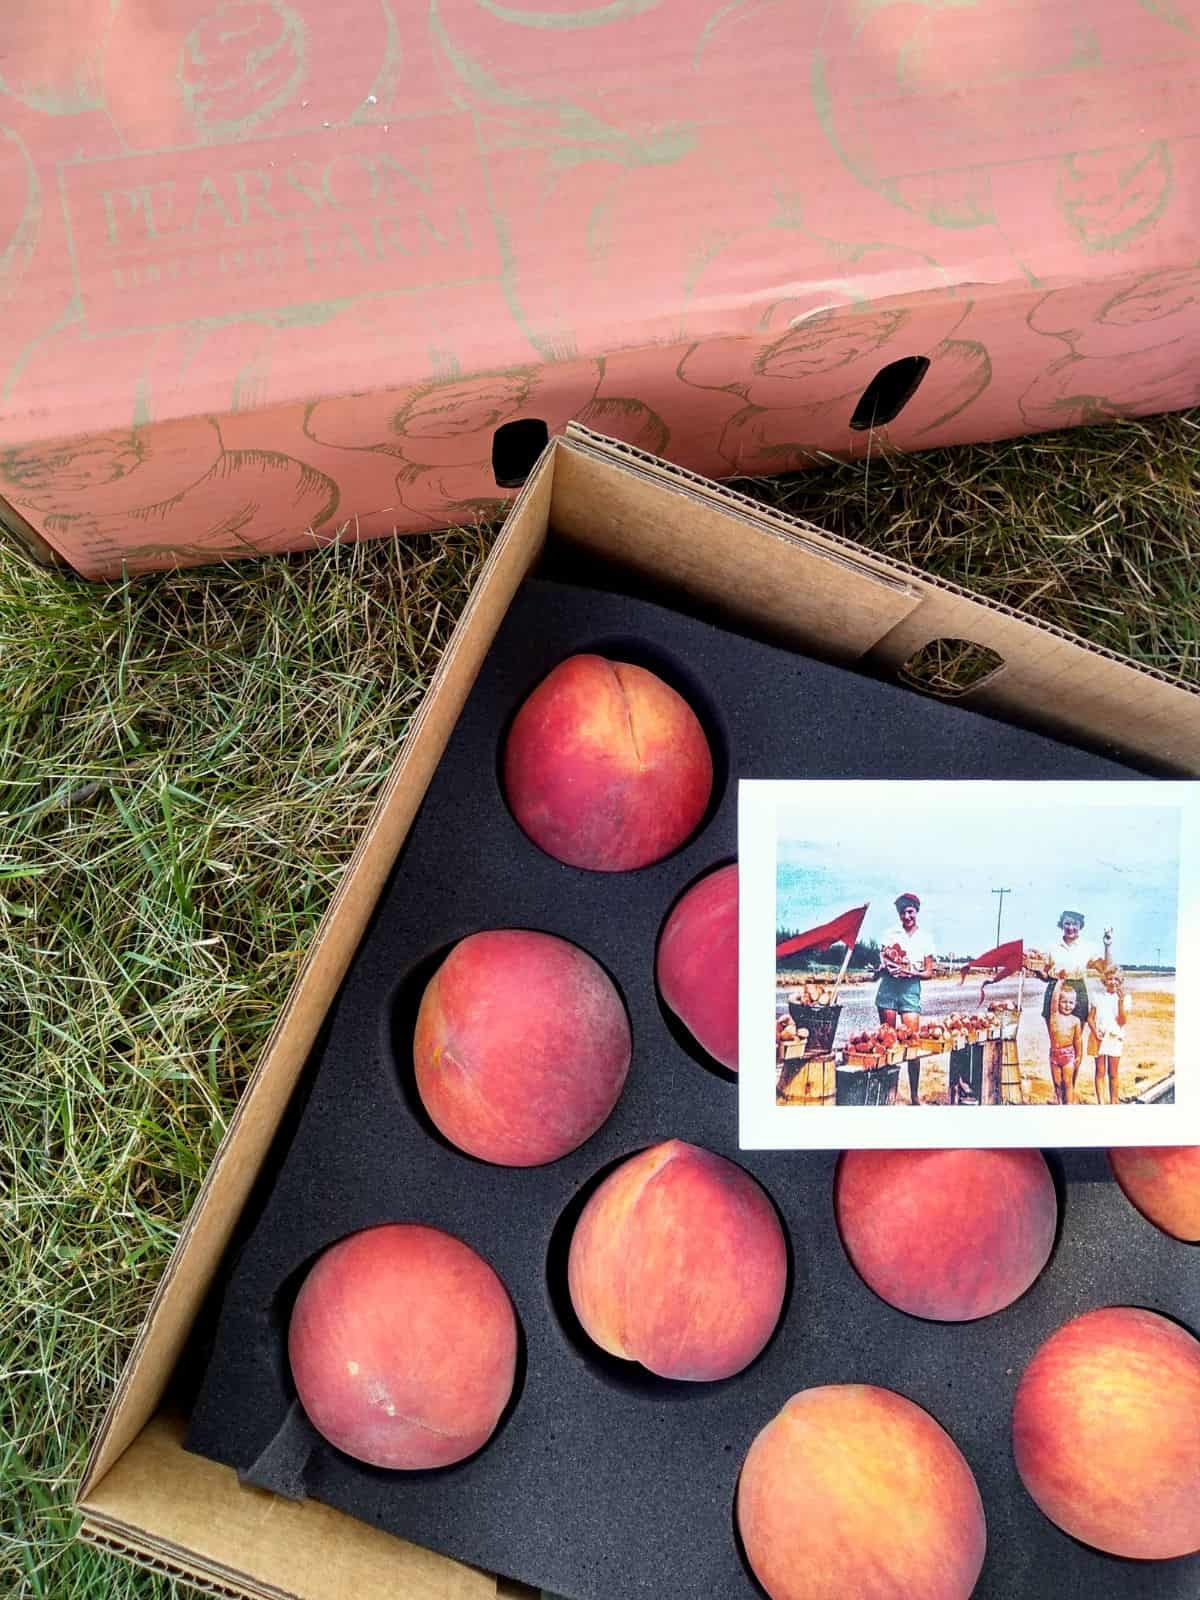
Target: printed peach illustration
x: 906, y: 1231
x: 606, y: 766
x: 854, y: 1490
x: 802, y: 378
x: 1124, y: 349
x: 403, y: 1347
x: 1102, y: 321
x: 1109, y: 197
x: 1164, y: 1184
x: 902, y: 91
x: 54, y: 70
x: 631, y: 421
x: 960, y: 372
x: 20, y: 210
x: 229, y: 70
x: 500, y: 54
x: 1082, y: 389
x: 820, y: 357
x: 436, y: 496
x: 1105, y: 1433
x: 678, y: 1262
x: 239, y: 63
x: 696, y: 964
x: 1181, y: 14
x: 247, y: 500
x: 52, y: 477
x: 521, y: 1048
x: 600, y: 195
x: 446, y: 423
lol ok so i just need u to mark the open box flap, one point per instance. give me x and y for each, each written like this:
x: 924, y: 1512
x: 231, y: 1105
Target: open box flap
x: 851, y: 604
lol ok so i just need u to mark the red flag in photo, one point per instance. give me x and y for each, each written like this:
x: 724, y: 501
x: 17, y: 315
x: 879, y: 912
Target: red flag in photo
x: 841, y: 930
x: 1006, y: 958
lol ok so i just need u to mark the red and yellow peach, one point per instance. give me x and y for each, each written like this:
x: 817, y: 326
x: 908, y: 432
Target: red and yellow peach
x: 521, y: 1048
x: 697, y: 963
x: 1106, y: 1432
x: 606, y: 766
x: 946, y: 1234
x: 1164, y: 1184
x: 403, y: 1347
x: 853, y: 1490
x: 678, y: 1261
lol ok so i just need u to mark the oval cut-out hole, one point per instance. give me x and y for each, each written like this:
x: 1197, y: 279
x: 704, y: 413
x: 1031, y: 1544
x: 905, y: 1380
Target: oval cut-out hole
x: 888, y: 392
x: 950, y: 667
x: 516, y: 447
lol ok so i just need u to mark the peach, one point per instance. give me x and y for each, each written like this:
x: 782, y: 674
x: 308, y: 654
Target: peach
x: 946, y: 1234
x: 697, y: 963
x: 855, y: 1491
x: 522, y: 1047
x: 1164, y: 1184
x: 606, y: 766
x: 678, y: 1261
x: 1106, y: 1432
x: 403, y: 1346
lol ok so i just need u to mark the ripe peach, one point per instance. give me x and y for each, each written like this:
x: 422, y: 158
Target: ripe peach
x: 1106, y: 1432
x: 917, y: 1230
x: 678, y: 1261
x: 521, y: 1048
x: 1164, y: 1184
x: 697, y: 963
x: 403, y: 1346
x: 606, y: 766
x: 855, y: 1491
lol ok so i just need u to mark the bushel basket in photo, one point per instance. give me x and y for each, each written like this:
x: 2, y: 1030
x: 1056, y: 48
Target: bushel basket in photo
x: 820, y: 1022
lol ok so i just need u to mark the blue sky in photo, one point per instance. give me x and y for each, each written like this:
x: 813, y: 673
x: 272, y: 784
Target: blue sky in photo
x: 1117, y: 865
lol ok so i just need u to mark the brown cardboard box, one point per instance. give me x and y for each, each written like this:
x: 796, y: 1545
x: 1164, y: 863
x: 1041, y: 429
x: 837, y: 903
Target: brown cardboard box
x: 277, y: 270
x: 143, y: 1496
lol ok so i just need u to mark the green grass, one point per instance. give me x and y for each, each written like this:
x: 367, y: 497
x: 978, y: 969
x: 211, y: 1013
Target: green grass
x: 185, y: 763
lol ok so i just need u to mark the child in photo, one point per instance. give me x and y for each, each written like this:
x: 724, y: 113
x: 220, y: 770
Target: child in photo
x: 1110, y: 1016
x: 1066, y: 1042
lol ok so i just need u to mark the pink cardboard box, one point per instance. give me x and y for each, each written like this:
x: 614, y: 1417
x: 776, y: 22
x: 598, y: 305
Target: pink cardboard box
x: 272, y: 270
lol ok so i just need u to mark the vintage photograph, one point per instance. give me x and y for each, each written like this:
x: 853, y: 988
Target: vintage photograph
x: 977, y: 947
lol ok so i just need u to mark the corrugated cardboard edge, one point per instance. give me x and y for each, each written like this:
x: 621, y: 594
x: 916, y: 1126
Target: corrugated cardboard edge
x: 15, y: 527
x: 1050, y: 678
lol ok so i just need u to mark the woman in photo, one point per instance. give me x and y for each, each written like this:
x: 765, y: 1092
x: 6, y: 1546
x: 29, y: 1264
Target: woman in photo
x: 906, y: 952
x: 1070, y: 958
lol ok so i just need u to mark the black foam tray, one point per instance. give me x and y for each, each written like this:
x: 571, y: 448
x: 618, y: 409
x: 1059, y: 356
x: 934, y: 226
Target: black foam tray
x: 603, y: 1482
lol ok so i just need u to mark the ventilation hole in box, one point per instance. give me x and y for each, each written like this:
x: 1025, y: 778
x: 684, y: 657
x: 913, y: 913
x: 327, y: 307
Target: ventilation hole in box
x: 950, y: 667
x: 888, y: 392
x: 516, y: 447
x: 675, y: 1026
x: 630, y: 1377
x: 637, y: 652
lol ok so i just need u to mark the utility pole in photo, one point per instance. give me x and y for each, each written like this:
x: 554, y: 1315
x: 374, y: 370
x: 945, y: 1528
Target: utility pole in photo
x: 1000, y: 909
